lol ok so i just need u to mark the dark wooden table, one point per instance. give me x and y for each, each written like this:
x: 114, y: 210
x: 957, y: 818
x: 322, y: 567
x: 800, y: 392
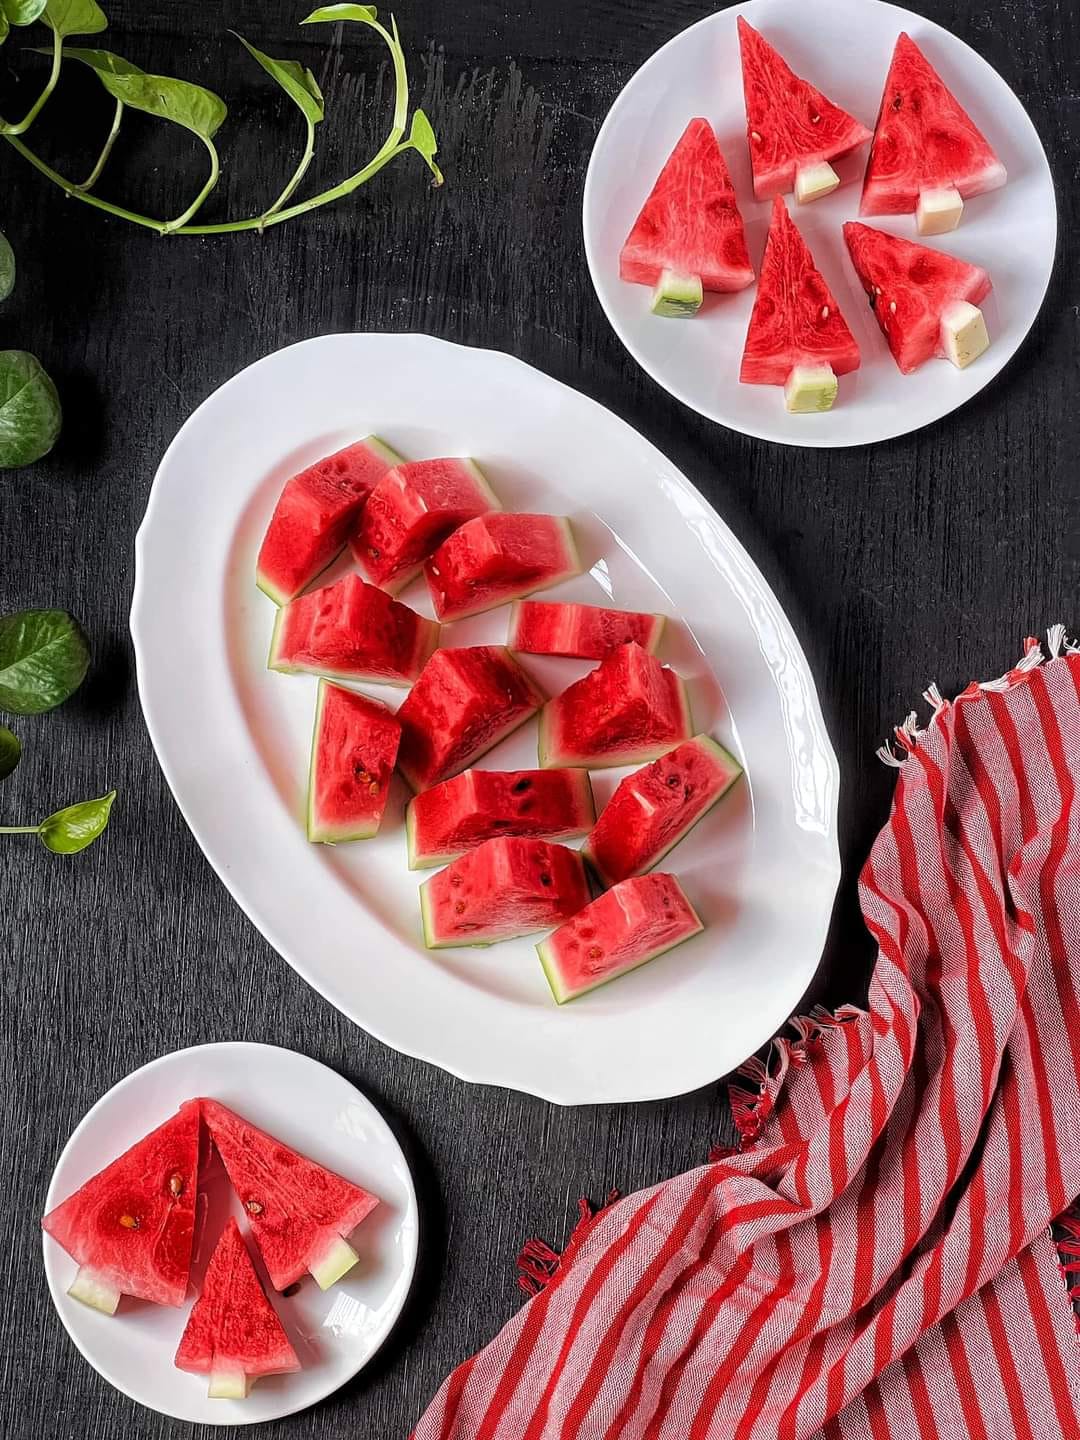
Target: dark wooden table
x: 927, y: 558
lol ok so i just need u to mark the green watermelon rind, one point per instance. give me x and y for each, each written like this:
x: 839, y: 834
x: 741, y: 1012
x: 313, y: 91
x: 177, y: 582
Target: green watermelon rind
x: 429, y: 637
x: 550, y: 759
x: 327, y: 834
x: 531, y: 587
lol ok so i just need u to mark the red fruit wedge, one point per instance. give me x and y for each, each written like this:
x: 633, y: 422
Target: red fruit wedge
x: 792, y: 129
x: 130, y: 1227
x: 460, y: 814
x: 925, y: 301
x: 352, y: 631
x: 498, y: 557
x: 314, y: 515
x: 299, y: 1212
x: 689, y: 236
x: 928, y: 155
x: 353, y: 750
x: 797, y: 336
x: 411, y: 511
x: 507, y: 887
x: 233, y: 1333
x: 464, y: 702
x: 585, y: 632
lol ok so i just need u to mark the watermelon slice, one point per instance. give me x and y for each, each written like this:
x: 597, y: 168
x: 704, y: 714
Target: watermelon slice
x: 130, y: 1227
x: 411, y: 511
x: 584, y: 632
x: 689, y: 236
x: 464, y: 702
x: 233, y: 1333
x: 796, y: 324
x: 498, y: 557
x: 314, y: 515
x: 928, y: 155
x: 507, y: 887
x: 629, y: 709
x: 925, y: 301
x: 352, y: 631
x: 792, y: 129
x: 654, y: 808
x: 299, y: 1212
x: 627, y: 926
x: 478, y: 805
x: 353, y: 749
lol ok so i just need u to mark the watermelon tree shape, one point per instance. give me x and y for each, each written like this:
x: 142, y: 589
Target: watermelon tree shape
x: 498, y: 557
x: 584, y: 632
x: 315, y: 513
x: 927, y: 155
x: 689, y: 236
x: 926, y: 302
x: 233, y: 1333
x: 300, y: 1213
x: 352, y: 631
x: 130, y: 1227
x: 505, y: 888
x: 353, y: 750
x: 797, y: 336
x: 792, y: 129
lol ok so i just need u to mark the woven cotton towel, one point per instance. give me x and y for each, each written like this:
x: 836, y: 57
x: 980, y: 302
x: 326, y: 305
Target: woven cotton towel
x: 877, y: 1264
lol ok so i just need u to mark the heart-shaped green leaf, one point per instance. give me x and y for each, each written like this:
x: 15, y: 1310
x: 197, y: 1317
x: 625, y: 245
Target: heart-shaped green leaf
x: 295, y: 79
x: 192, y: 106
x: 7, y: 267
x: 22, y: 12
x: 29, y: 410
x: 5, y: 28
x: 10, y: 752
x: 43, y: 660
x: 74, y: 828
x: 104, y: 61
x: 74, y: 17
x: 329, y: 13
x: 422, y: 139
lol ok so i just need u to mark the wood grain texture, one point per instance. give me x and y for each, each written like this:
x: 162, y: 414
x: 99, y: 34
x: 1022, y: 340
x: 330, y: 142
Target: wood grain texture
x: 926, y: 558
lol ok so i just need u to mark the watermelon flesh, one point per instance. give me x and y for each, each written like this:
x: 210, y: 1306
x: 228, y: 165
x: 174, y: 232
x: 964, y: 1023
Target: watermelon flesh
x: 583, y: 632
x: 629, y: 925
x: 411, y: 511
x: 353, y: 750
x: 505, y: 888
x: 690, y: 224
x: 130, y: 1227
x: 299, y: 1212
x: 314, y: 515
x: 460, y: 814
x: 911, y: 289
x: 352, y: 631
x: 629, y: 709
x: 924, y: 141
x: 791, y: 127
x: 465, y: 701
x: 498, y: 557
x: 233, y: 1333
x: 653, y: 809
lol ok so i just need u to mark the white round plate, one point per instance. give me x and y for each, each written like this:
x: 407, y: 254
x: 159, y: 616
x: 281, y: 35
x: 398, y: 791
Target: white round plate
x: 843, y: 47
x: 233, y: 738
x: 334, y: 1333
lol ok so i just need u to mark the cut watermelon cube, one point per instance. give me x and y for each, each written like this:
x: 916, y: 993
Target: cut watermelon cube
x: 233, y: 1334
x: 300, y: 1213
x: 506, y: 888
x: 352, y: 631
x: 498, y: 557
x: 353, y: 750
x: 314, y: 515
x: 411, y: 511
x: 583, y: 632
x: 130, y: 1227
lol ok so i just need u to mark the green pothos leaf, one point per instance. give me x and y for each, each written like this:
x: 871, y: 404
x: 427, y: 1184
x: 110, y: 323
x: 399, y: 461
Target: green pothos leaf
x: 22, y: 12
x: 295, y: 79
x: 7, y: 267
x: 5, y: 28
x: 77, y: 826
x: 104, y: 61
x: 74, y: 17
x: 10, y: 752
x: 29, y: 410
x: 43, y: 660
x: 422, y: 139
x: 330, y: 13
x: 192, y: 106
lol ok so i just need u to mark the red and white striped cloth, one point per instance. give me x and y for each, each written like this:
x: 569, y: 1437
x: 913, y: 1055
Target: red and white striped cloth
x: 878, y: 1262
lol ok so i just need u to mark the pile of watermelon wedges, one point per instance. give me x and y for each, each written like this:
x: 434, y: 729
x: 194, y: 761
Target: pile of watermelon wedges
x: 499, y: 834
x: 132, y: 1231
x: 926, y: 158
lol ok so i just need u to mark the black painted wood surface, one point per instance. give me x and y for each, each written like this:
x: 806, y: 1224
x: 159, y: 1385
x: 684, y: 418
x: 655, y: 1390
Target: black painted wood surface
x: 926, y: 558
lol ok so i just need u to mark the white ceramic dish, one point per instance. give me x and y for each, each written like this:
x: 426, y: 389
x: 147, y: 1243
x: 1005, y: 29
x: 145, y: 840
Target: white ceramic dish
x: 843, y: 47
x: 336, y: 1333
x: 233, y: 738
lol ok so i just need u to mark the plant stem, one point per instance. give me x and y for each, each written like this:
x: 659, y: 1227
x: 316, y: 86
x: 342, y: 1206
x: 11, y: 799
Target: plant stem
x: 19, y: 829
x: 298, y: 173
x: 95, y: 174
x: 50, y: 85
x: 212, y: 179
x: 70, y: 188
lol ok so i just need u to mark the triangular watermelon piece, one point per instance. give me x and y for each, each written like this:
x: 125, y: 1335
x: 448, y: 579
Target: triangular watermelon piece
x: 796, y: 322
x: 925, y: 301
x: 792, y: 129
x: 130, y: 1227
x: 928, y: 155
x: 233, y: 1333
x: 299, y: 1212
x: 690, y: 229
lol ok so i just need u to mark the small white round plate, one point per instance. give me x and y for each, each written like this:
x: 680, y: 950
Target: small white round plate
x: 334, y: 1333
x: 843, y: 47
x: 234, y: 738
